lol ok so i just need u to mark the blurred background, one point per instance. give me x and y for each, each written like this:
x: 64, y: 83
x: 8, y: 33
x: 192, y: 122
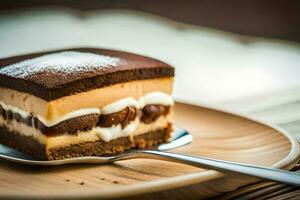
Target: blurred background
x: 242, y: 56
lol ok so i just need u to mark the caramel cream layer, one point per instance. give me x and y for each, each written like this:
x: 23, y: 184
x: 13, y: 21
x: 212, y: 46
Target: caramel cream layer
x: 105, y: 134
x: 97, y: 98
x: 156, y: 98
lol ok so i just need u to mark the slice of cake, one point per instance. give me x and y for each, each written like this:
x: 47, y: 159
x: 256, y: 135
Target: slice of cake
x: 84, y: 102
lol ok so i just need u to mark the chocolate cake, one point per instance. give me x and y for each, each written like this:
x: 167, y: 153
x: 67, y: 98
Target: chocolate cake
x: 84, y: 102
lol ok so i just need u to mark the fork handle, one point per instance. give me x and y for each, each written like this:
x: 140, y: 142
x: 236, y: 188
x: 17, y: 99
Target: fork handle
x: 283, y: 176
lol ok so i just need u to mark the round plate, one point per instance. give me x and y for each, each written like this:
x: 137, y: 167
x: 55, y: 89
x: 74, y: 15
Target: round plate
x: 217, y: 134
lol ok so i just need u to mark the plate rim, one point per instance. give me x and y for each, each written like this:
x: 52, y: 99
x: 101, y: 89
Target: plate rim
x: 177, y: 181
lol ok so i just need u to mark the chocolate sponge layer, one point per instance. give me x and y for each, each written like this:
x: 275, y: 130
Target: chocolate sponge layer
x: 100, y: 148
x: 26, y: 144
x: 52, y: 85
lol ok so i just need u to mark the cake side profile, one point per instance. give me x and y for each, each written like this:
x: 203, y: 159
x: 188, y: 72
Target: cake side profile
x: 54, y: 74
x: 94, y: 102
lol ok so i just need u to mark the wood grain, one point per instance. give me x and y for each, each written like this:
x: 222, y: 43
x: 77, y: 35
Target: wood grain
x: 263, y: 190
x: 217, y: 135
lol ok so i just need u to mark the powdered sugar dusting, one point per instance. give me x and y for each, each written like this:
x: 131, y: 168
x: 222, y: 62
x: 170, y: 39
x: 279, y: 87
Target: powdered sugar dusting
x: 62, y: 62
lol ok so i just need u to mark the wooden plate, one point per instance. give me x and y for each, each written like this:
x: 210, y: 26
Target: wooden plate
x: 217, y: 134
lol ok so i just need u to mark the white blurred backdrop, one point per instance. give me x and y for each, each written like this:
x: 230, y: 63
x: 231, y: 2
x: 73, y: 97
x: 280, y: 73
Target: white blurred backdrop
x: 252, y: 75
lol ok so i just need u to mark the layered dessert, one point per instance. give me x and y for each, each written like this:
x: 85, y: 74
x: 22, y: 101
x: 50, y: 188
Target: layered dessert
x: 84, y: 102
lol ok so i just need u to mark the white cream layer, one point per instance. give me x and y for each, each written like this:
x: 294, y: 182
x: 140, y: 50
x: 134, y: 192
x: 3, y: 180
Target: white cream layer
x: 150, y: 98
x: 14, y: 109
x: 76, y: 113
x: 116, y: 131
